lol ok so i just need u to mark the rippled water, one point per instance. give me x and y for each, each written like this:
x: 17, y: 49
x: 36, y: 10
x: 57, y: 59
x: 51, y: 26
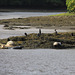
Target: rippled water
x: 37, y: 62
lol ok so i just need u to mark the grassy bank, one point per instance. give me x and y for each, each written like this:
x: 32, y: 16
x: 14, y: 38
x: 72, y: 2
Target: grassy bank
x: 64, y: 14
x: 33, y: 41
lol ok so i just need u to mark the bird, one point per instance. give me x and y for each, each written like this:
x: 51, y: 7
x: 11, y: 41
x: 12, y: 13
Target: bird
x: 55, y: 32
x: 25, y: 34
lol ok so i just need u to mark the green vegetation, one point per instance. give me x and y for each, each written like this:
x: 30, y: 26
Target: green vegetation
x: 49, y: 4
x: 64, y: 14
x: 43, y: 41
x: 70, y: 5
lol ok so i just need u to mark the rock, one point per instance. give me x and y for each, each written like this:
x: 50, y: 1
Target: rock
x: 18, y: 47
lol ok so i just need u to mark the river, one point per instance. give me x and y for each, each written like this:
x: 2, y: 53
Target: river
x: 34, y: 61
x: 37, y: 62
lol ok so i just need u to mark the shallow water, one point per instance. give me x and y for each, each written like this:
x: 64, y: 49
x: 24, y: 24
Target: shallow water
x: 20, y: 32
x: 37, y: 62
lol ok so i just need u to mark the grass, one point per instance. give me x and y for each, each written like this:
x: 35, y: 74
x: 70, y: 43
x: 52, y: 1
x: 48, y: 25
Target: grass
x: 64, y: 14
x: 33, y: 41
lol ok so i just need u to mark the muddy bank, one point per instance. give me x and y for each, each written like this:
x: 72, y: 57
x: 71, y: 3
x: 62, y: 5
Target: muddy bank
x: 59, y: 22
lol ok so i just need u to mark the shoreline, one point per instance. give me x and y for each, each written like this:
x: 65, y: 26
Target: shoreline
x: 31, y: 10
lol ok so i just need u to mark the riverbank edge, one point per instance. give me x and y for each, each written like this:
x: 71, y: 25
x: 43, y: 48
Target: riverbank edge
x: 31, y: 10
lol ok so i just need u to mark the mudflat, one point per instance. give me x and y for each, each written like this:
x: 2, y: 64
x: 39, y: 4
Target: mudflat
x: 51, y: 22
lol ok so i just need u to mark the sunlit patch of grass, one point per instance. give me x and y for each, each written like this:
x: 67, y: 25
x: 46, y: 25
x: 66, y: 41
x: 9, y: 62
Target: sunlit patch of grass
x: 64, y: 14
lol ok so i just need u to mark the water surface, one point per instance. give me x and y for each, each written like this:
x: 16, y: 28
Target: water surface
x: 37, y: 62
